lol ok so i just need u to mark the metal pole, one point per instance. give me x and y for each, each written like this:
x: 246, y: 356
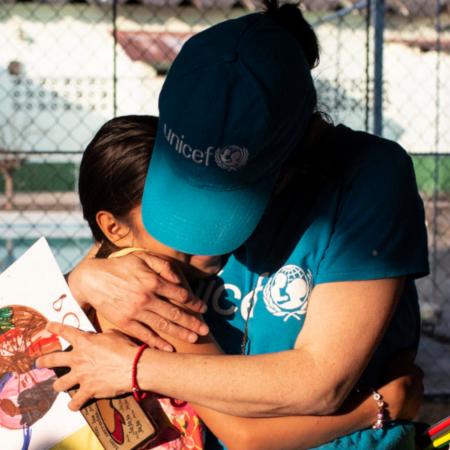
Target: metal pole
x: 368, y: 61
x: 378, y: 8
x: 114, y: 20
x: 437, y: 161
x: 337, y: 89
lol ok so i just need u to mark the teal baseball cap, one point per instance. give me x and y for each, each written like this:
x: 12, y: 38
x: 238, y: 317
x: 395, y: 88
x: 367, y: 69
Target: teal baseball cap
x: 235, y: 104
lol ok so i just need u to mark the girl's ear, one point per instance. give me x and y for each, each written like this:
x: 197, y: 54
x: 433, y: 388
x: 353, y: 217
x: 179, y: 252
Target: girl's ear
x: 114, y: 230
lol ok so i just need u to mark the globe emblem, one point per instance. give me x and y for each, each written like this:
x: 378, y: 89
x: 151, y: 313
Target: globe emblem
x: 287, y: 292
x: 231, y: 158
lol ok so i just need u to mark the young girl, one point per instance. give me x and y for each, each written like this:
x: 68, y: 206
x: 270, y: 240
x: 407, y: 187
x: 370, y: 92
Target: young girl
x: 111, y: 182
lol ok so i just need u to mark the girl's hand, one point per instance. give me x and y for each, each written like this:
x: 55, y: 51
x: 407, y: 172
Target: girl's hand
x: 403, y: 389
x: 140, y: 294
x: 100, y: 363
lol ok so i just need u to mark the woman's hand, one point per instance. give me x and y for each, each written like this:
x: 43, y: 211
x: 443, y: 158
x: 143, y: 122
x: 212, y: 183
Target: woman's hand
x: 141, y: 294
x: 403, y: 389
x: 100, y: 363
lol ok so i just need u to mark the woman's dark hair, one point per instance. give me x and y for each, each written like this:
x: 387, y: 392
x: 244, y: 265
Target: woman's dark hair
x: 114, y: 167
x: 313, y: 159
x: 290, y: 17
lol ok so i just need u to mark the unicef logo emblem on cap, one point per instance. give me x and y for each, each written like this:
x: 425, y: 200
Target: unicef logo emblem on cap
x: 287, y: 292
x: 232, y: 157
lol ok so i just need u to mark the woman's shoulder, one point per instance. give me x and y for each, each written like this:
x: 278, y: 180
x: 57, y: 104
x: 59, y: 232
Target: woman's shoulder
x: 363, y: 146
x: 371, y: 157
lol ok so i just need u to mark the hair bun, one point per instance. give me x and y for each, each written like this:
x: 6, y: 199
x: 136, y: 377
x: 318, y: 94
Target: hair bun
x: 290, y: 17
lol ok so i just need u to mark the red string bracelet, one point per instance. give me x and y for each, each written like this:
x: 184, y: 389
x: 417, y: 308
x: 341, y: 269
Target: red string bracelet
x: 138, y: 394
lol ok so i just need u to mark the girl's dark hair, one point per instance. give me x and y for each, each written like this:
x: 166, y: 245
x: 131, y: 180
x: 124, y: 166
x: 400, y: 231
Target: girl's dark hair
x: 290, y: 17
x: 114, y: 167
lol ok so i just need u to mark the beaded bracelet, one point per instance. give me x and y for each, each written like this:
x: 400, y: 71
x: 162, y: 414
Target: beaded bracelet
x: 138, y: 394
x: 381, y: 414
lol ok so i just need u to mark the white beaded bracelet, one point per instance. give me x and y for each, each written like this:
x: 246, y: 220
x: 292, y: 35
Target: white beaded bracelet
x: 381, y: 414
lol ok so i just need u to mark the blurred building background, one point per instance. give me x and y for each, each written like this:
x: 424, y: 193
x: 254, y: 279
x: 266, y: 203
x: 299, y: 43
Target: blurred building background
x: 67, y: 66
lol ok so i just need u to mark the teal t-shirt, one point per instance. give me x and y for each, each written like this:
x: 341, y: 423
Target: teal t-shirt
x: 352, y: 213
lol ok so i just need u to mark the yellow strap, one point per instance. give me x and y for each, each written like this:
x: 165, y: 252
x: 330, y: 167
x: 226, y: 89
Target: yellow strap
x: 125, y: 251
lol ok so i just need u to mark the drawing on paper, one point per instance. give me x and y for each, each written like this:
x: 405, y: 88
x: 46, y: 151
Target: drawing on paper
x: 26, y: 392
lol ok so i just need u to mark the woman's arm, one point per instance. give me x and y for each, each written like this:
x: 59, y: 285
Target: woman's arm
x: 294, y: 432
x: 344, y: 324
x: 139, y: 293
x: 359, y: 411
x: 403, y: 394
x: 303, y: 432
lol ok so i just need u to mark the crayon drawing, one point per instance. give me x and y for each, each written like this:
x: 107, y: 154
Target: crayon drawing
x: 26, y: 392
x: 32, y: 292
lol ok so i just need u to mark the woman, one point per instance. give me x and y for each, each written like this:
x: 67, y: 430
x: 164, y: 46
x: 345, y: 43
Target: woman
x: 111, y: 183
x: 298, y: 214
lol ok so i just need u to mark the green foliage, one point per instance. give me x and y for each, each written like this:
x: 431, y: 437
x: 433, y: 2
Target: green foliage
x: 433, y: 173
x: 45, y: 177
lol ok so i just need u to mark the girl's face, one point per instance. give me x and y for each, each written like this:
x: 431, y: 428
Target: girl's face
x: 194, y: 266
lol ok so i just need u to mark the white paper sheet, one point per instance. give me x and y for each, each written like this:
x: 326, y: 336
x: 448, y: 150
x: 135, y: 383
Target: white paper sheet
x: 33, y: 291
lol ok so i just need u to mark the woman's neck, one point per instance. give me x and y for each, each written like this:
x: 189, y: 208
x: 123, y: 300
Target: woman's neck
x: 299, y: 163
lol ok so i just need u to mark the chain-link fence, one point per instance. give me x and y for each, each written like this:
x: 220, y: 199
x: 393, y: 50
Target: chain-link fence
x: 67, y: 66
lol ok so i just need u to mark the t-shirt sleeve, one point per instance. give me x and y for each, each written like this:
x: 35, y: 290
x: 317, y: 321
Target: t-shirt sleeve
x: 379, y: 228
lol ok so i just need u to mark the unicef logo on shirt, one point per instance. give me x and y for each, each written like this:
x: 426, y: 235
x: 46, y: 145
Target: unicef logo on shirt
x: 287, y: 292
x: 232, y: 157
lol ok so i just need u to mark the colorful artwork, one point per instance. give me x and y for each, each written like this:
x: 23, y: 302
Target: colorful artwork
x: 26, y: 392
x: 32, y: 416
x: 33, y: 291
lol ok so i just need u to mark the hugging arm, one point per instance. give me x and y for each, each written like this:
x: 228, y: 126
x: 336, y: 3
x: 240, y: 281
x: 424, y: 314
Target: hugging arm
x: 344, y: 324
x: 222, y: 386
x: 141, y: 294
x: 303, y: 432
x: 402, y: 391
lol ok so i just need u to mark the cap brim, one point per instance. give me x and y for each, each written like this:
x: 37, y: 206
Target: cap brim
x: 198, y: 220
